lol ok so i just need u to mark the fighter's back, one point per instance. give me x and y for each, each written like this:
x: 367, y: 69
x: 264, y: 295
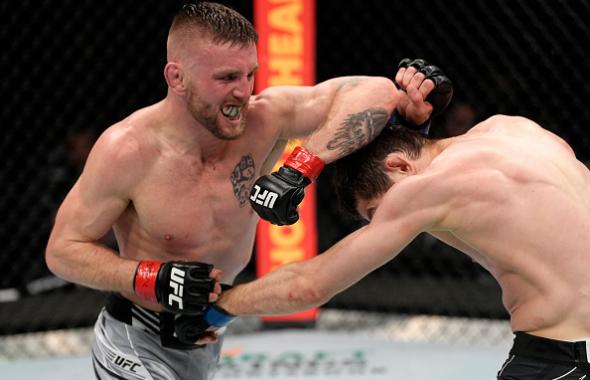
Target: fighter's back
x: 523, y: 209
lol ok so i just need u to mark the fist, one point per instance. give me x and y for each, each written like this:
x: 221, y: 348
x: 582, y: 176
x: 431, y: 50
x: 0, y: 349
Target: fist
x: 202, y: 328
x: 180, y: 287
x: 275, y: 197
x: 428, y: 90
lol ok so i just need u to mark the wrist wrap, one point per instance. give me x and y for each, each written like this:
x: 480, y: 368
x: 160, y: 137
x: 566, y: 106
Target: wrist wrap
x: 396, y: 120
x: 305, y: 162
x: 216, y: 316
x: 144, y: 282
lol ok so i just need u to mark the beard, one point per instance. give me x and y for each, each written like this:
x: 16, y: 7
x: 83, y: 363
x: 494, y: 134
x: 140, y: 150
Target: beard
x: 209, y: 116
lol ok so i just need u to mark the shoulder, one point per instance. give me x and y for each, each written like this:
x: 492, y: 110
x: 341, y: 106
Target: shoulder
x: 500, y: 121
x: 118, y: 158
x: 433, y: 200
x: 421, y: 201
x: 120, y: 144
x: 522, y: 127
x: 270, y: 111
x: 276, y: 100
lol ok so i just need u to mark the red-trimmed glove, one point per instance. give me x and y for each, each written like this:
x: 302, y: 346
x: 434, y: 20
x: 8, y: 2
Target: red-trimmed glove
x: 275, y: 197
x: 180, y: 287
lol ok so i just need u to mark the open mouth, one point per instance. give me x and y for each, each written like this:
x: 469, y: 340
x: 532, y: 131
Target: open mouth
x: 231, y: 112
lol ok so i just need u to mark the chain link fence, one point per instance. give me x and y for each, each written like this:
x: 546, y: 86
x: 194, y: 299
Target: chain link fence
x: 72, y: 68
x: 523, y: 57
x: 382, y: 326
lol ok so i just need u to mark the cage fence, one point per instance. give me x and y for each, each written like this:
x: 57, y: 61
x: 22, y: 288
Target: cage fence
x: 72, y: 68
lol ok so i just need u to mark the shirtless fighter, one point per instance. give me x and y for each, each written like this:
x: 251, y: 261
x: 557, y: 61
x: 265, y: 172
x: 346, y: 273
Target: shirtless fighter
x: 173, y: 181
x: 508, y: 193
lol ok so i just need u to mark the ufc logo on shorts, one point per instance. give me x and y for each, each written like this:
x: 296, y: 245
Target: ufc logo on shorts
x: 126, y: 364
x: 265, y: 198
x: 176, y: 283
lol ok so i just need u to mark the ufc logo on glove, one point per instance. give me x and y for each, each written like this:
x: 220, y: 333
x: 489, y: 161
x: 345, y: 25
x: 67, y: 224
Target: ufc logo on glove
x: 266, y: 198
x: 176, y: 283
x: 179, y: 286
x: 275, y: 196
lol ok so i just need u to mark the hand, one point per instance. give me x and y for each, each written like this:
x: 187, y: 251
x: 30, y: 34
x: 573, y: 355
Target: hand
x: 428, y: 91
x: 275, y: 197
x: 202, y: 328
x: 193, y: 329
x: 180, y: 287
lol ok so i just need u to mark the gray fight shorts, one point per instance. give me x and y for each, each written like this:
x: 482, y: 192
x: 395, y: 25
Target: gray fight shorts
x: 131, y: 351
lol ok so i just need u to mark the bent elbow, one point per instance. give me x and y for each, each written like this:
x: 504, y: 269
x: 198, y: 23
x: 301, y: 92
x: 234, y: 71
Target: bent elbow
x: 54, y: 258
x: 51, y: 259
x: 386, y: 91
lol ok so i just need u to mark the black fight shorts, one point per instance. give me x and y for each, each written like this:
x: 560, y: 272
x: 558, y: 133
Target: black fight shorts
x: 536, y: 358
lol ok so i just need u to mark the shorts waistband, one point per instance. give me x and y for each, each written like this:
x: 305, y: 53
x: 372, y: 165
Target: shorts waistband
x: 161, y: 324
x: 550, y: 349
x: 127, y: 312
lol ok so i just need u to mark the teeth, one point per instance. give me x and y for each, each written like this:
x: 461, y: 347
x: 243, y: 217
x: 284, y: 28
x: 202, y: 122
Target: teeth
x: 231, y: 111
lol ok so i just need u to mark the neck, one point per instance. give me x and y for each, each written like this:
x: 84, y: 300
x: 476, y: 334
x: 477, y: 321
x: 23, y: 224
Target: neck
x: 429, y: 153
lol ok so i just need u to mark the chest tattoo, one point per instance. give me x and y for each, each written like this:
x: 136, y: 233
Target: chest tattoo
x: 358, y: 129
x: 242, y: 178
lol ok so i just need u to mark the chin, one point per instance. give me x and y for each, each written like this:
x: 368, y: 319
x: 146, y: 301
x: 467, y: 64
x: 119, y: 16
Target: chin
x: 232, y: 132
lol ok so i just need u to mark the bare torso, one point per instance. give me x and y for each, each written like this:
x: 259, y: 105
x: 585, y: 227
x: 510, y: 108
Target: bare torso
x: 186, y: 208
x: 523, y: 212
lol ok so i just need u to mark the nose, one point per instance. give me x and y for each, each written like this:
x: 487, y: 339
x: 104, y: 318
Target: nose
x: 244, y: 88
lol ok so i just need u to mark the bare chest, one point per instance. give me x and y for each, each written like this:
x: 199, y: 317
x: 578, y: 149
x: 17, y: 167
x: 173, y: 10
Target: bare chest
x: 196, y: 208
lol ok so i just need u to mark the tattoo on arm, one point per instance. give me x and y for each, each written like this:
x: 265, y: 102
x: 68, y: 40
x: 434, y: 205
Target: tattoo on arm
x: 358, y: 129
x: 242, y: 178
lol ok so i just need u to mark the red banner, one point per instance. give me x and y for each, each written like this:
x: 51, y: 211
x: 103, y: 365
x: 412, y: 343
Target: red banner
x: 286, y: 54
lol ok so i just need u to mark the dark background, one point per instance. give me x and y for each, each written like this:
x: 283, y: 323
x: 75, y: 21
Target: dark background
x: 71, y: 68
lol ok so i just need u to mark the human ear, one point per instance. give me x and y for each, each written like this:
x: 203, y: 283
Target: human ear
x: 397, y: 163
x: 174, y: 77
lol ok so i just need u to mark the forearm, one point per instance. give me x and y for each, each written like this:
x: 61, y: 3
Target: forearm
x: 282, y: 291
x: 297, y: 286
x: 91, y: 265
x: 358, y: 112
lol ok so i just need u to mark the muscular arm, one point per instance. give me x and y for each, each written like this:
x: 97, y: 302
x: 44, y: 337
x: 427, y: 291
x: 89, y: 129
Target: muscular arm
x: 299, y: 286
x: 403, y: 214
x: 95, y: 202
x: 339, y: 115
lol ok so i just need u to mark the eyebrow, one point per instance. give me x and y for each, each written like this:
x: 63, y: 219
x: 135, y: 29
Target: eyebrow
x: 236, y: 70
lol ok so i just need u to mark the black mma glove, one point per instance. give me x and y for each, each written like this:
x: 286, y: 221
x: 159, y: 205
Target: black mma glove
x: 189, y: 328
x: 180, y: 287
x: 275, y: 197
x: 439, y: 97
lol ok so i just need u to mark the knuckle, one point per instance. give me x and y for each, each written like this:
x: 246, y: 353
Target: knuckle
x: 430, y: 70
x: 418, y: 63
x: 404, y: 63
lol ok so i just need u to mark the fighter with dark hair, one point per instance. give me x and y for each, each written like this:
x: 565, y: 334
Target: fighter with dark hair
x: 508, y: 193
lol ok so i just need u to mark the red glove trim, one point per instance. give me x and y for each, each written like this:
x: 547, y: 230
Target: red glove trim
x: 144, y: 282
x: 305, y: 162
